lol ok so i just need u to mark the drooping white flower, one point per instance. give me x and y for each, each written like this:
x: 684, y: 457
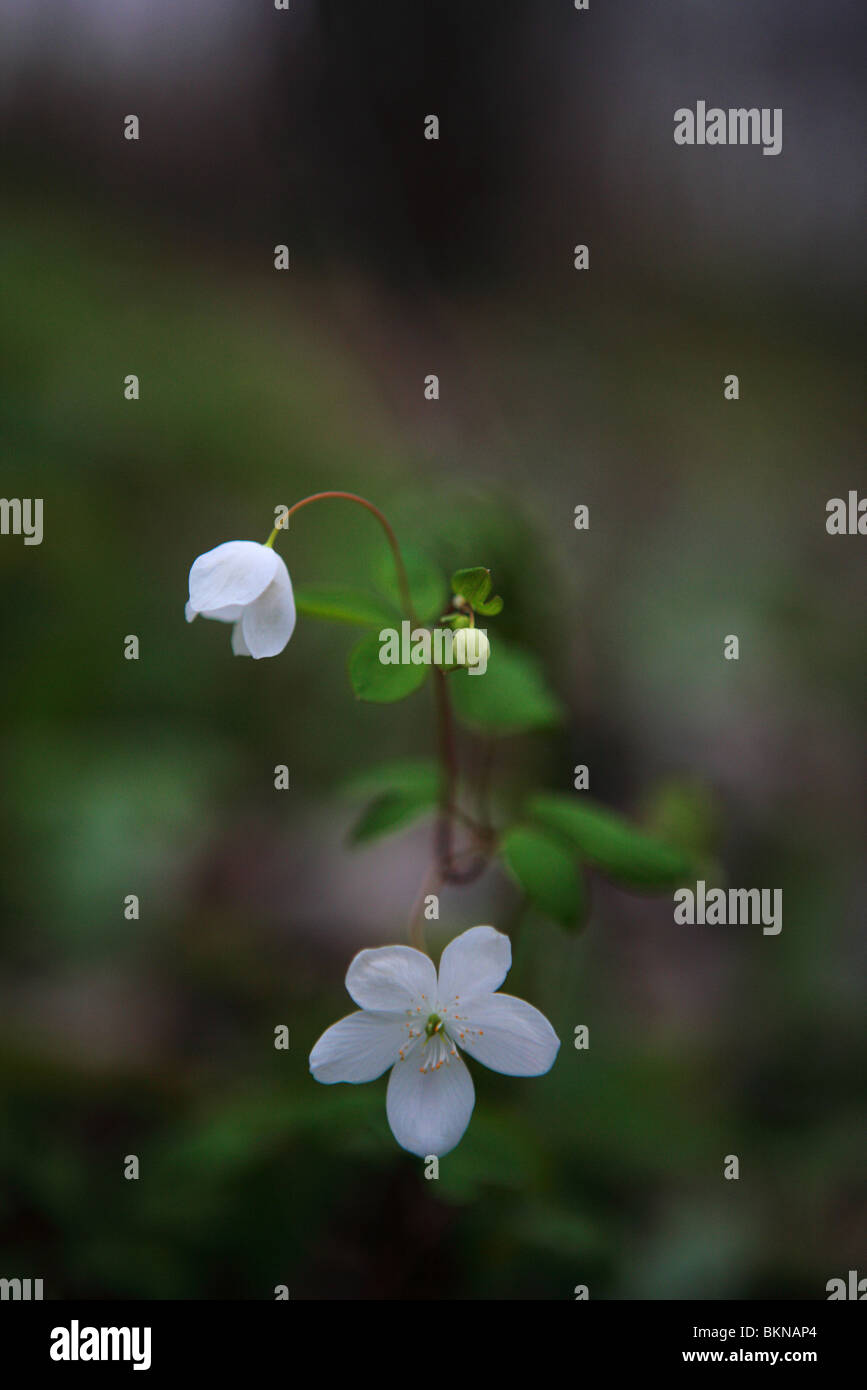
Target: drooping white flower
x: 418, y: 1023
x: 247, y: 584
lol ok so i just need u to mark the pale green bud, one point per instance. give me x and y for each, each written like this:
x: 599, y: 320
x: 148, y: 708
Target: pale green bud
x: 471, y: 647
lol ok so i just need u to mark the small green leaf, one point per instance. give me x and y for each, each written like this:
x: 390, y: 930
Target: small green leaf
x: 611, y: 844
x: 426, y: 582
x: 389, y: 813
x: 474, y: 585
x: 372, y: 679
x: 345, y: 605
x: 409, y: 776
x: 404, y: 789
x: 471, y: 584
x: 509, y: 697
x: 490, y: 607
x: 683, y: 813
x: 545, y: 868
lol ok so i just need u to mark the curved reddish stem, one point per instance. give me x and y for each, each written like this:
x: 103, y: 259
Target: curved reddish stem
x: 402, y: 580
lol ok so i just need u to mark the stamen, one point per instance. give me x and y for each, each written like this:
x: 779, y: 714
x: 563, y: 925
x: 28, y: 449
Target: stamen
x: 439, y: 1052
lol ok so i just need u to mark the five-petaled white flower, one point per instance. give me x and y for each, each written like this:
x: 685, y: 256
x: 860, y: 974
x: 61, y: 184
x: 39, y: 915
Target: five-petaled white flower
x: 247, y: 584
x: 415, y: 1022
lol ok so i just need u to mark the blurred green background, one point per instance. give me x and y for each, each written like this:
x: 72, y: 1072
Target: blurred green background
x: 155, y: 777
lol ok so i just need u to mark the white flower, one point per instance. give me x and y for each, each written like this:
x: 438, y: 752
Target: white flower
x: 247, y: 584
x: 415, y: 1022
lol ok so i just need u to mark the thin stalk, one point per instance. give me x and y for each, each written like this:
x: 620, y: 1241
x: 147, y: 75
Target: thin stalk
x: 400, y: 567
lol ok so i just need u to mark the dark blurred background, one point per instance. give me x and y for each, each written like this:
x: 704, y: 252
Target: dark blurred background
x: 155, y: 777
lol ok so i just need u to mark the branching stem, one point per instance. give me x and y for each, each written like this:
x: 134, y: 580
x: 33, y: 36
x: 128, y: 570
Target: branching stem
x: 446, y: 868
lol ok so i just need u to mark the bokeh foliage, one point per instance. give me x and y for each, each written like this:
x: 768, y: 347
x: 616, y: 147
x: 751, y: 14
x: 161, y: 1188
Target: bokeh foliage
x: 155, y: 1037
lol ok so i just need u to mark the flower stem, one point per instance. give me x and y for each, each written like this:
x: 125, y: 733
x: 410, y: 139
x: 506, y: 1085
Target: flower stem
x: 448, y: 870
x: 415, y: 926
x: 400, y: 567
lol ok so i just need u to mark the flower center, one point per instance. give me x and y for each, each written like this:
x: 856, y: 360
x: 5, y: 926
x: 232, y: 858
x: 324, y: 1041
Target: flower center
x: 437, y: 1047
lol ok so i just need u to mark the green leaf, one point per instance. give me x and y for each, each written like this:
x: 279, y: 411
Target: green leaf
x: 611, y: 844
x: 509, y: 697
x: 389, y: 813
x: 474, y: 585
x: 345, y: 605
x: 491, y: 607
x: 426, y: 582
x: 373, y: 680
x: 404, y: 789
x: 409, y: 776
x: 545, y: 868
x: 683, y: 813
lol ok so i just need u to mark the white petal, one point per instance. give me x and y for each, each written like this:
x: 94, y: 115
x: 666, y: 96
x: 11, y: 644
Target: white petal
x: 393, y: 978
x: 189, y: 611
x: 230, y: 614
x: 358, y: 1048
x: 236, y: 572
x: 239, y: 646
x: 476, y: 962
x: 429, y: 1110
x: 506, y: 1034
x: 269, y: 621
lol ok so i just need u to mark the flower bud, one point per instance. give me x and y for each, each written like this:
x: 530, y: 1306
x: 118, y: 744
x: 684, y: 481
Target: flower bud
x: 471, y: 647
